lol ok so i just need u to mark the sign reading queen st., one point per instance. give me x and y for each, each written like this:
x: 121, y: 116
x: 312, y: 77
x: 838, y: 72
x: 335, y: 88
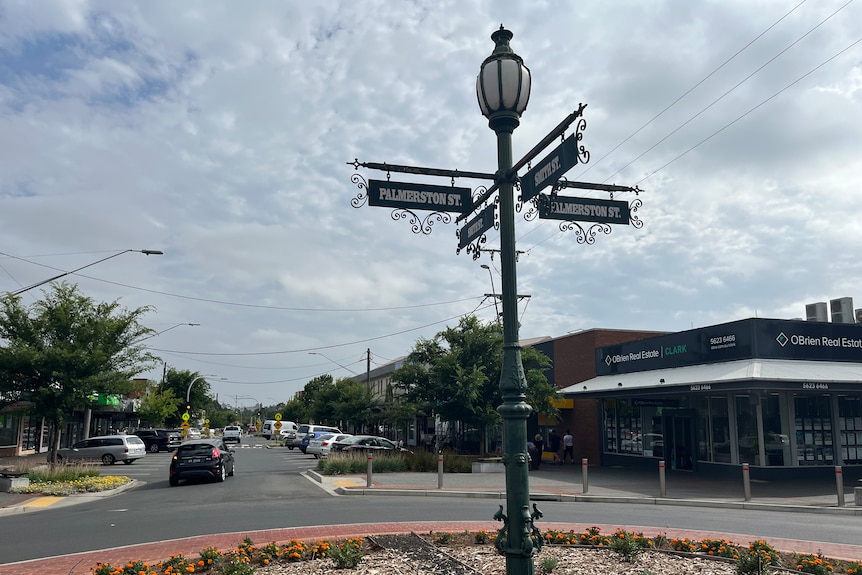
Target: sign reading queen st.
x: 411, y: 196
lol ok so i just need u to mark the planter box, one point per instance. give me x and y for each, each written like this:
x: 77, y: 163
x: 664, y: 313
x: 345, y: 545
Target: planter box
x: 7, y: 483
x: 492, y: 466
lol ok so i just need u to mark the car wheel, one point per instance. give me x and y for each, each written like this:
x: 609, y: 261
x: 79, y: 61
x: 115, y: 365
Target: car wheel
x: 173, y: 481
x: 60, y: 460
x: 221, y: 473
x: 232, y: 469
x: 316, y: 456
x: 108, y: 459
x: 290, y: 447
x: 154, y: 448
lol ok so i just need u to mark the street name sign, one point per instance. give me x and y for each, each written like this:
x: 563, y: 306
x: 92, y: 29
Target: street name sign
x: 546, y: 172
x: 419, y: 196
x: 584, y: 210
x: 477, y: 226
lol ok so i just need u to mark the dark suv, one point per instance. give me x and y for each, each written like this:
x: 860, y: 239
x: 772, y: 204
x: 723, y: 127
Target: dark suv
x: 159, y: 439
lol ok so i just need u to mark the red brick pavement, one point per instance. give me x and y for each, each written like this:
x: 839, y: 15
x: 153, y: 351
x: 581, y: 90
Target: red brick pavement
x: 82, y: 563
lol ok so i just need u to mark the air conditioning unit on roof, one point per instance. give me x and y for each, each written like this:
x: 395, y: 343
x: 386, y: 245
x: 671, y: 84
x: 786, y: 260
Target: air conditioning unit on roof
x: 816, y: 312
x: 842, y: 310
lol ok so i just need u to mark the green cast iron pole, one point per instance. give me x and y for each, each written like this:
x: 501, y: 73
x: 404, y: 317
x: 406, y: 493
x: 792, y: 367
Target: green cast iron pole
x: 513, y: 384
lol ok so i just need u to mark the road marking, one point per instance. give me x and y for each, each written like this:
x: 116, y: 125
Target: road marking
x: 346, y: 482
x: 42, y: 501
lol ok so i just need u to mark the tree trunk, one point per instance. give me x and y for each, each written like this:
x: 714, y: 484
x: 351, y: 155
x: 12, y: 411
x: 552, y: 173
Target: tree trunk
x: 56, y: 425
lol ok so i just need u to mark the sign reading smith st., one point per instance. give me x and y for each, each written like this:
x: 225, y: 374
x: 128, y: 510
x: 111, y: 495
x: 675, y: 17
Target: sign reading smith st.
x: 419, y: 196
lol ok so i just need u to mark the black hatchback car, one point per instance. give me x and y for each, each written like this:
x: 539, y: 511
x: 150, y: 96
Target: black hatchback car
x: 201, y: 458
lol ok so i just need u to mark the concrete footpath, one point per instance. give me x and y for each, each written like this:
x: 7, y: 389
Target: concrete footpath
x: 550, y: 483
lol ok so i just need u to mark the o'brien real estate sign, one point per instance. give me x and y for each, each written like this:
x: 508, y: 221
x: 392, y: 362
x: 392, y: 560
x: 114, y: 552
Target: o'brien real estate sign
x: 477, y: 226
x: 743, y: 339
x: 584, y: 210
x: 419, y: 197
x: 549, y: 170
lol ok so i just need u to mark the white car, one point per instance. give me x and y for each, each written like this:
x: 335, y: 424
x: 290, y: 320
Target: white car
x: 320, y: 446
x: 105, y: 448
x: 232, y: 433
x: 193, y: 433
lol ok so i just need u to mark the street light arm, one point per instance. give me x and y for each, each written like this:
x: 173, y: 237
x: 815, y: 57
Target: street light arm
x: 58, y: 276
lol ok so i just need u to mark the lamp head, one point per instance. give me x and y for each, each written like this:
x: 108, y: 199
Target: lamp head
x: 503, y: 84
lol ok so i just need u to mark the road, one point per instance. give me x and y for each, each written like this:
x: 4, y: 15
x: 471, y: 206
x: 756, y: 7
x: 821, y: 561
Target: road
x: 268, y: 491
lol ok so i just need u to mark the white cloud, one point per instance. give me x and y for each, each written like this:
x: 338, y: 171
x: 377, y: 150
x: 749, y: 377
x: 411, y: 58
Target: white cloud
x: 220, y: 133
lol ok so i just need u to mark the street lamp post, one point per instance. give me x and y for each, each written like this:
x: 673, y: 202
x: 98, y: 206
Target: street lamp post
x: 503, y: 90
x: 58, y: 276
x: 494, y: 291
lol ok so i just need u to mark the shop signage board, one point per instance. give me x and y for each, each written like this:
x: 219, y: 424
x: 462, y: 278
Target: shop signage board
x: 410, y: 196
x: 584, y: 210
x: 549, y: 169
x: 744, y: 339
x: 477, y: 226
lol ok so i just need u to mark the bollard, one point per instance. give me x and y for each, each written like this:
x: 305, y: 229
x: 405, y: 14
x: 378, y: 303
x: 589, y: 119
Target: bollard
x: 585, y: 467
x: 368, y: 472
x: 746, y: 482
x: 839, y: 484
x: 440, y: 471
x: 662, y: 485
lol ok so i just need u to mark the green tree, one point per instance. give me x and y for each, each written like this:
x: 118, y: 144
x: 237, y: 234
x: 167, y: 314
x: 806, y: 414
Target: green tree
x: 56, y: 353
x: 157, y: 406
x: 457, y: 375
x: 178, y: 382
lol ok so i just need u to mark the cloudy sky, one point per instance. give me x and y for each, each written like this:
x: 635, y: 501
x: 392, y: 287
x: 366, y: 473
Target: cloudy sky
x: 219, y: 133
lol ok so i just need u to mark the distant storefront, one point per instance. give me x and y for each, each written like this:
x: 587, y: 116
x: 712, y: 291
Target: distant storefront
x: 780, y: 395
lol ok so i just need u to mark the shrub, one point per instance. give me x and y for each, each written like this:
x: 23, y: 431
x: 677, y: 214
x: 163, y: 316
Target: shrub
x: 814, y: 564
x: 549, y: 564
x: 352, y: 463
x: 719, y: 548
x: 629, y: 545
x: 348, y: 554
x: 854, y: 568
x: 758, y: 559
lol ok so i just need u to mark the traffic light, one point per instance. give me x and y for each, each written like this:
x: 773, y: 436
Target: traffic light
x: 188, y: 407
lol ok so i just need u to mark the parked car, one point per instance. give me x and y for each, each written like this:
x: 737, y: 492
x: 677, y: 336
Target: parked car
x: 232, y: 433
x: 307, y: 431
x: 320, y: 446
x: 193, y: 433
x: 204, y: 458
x: 156, y: 440
x: 106, y: 448
x: 291, y: 439
x: 303, y: 444
x: 362, y: 443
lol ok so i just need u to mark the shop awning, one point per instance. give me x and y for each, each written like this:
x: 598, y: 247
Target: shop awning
x: 767, y: 372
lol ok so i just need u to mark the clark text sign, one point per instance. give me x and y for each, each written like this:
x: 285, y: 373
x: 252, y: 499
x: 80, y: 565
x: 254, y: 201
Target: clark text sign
x: 419, y: 196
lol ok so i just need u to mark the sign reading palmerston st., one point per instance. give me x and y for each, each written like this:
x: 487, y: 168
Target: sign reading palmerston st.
x: 546, y: 172
x: 584, y: 210
x: 419, y: 196
x: 477, y: 226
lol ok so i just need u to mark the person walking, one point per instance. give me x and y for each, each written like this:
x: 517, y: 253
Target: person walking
x: 540, y: 444
x: 568, y: 446
x: 554, y: 441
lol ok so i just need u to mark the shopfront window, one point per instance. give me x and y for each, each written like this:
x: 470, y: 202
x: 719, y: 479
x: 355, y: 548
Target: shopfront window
x: 813, y: 427
x: 746, y: 428
x: 775, y: 440
x: 850, y: 428
x: 720, y: 429
x: 8, y: 430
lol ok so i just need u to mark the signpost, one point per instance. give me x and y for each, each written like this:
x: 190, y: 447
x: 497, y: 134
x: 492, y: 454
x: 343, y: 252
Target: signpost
x: 546, y: 172
x: 476, y: 227
x: 411, y: 196
x: 583, y: 209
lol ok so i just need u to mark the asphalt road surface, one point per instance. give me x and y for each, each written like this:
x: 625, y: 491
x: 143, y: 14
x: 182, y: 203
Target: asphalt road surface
x: 268, y: 491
